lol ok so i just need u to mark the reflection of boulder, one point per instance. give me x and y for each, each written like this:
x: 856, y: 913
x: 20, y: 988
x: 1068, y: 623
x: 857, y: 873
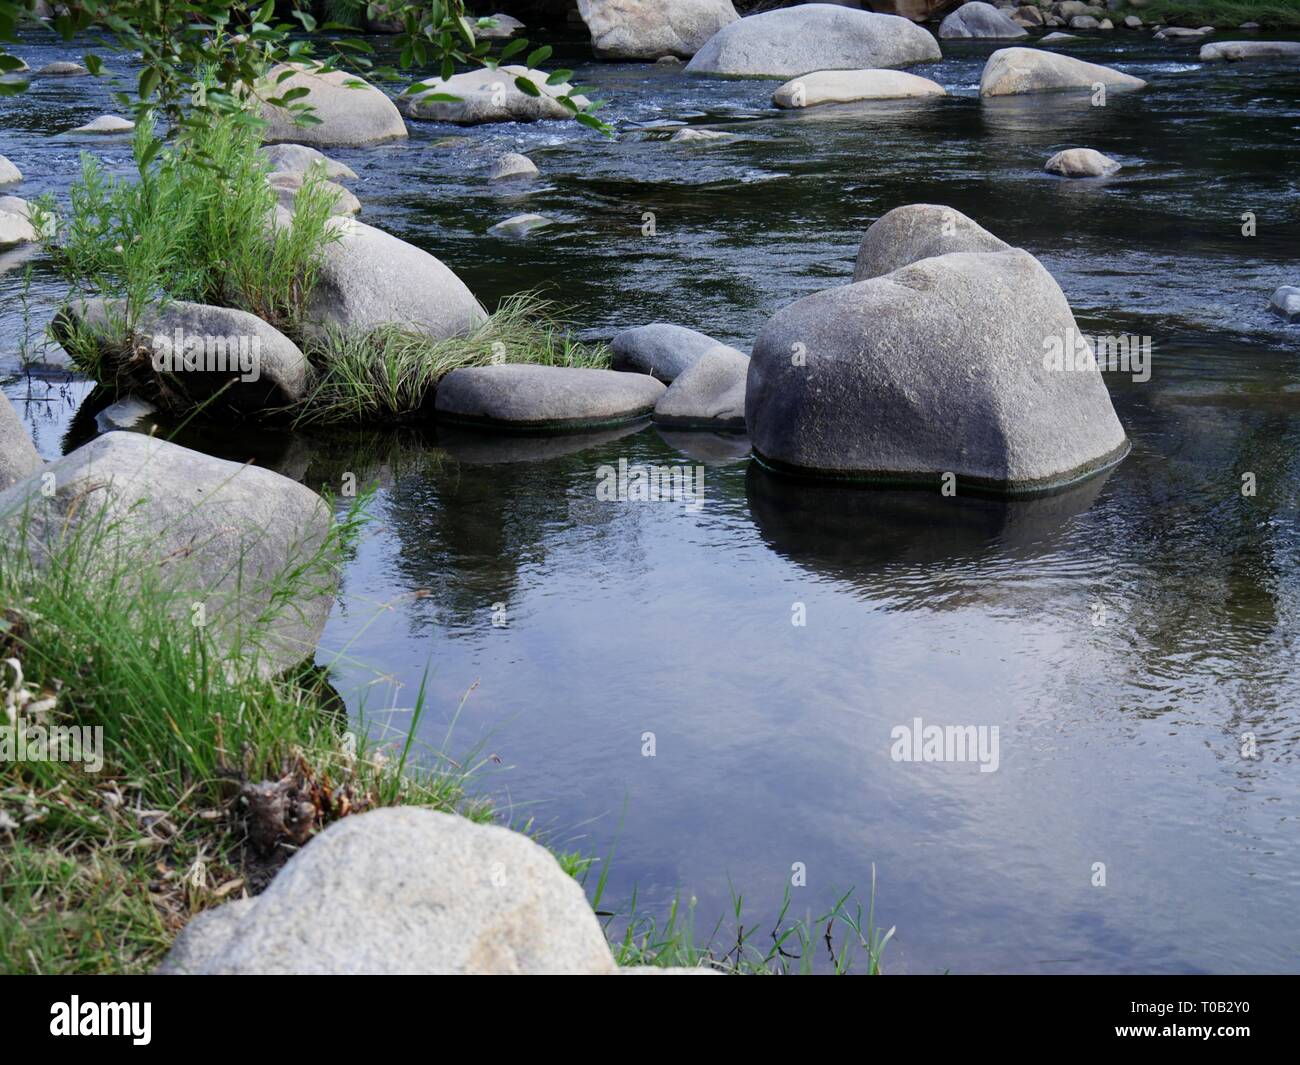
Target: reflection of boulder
x: 476, y: 448
x: 712, y: 449
x: 850, y: 533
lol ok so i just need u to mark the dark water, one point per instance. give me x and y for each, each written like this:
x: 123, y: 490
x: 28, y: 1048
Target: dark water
x: 1120, y: 742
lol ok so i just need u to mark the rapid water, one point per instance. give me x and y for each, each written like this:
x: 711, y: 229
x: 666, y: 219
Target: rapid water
x: 1120, y: 741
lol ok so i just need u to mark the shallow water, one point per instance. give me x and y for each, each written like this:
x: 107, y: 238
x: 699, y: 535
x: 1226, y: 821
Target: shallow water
x: 1119, y: 742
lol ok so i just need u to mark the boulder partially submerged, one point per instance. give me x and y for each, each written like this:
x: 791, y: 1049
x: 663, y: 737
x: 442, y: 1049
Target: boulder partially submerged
x: 1081, y: 162
x: 350, y: 112
x: 522, y: 396
x: 850, y: 86
x: 1236, y: 51
x: 709, y: 394
x: 483, y: 96
x: 636, y: 29
x: 663, y: 350
x: 978, y: 19
x: 299, y: 158
x: 797, y: 40
x: 1011, y: 71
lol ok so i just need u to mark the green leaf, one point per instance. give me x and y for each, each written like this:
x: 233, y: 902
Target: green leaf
x: 559, y: 77
x: 513, y: 48
x: 538, y: 56
x: 149, y: 78
x: 527, y: 87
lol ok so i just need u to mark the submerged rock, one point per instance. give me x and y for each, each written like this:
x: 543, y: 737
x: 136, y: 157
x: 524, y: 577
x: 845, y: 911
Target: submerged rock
x: 1235, y: 51
x: 662, y: 350
x: 352, y: 113
x: 1010, y: 71
x: 695, y: 135
x: 978, y: 19
x: 18, y: 456
x: 1182, y: 33
x: 62, y: 70
x: 407, y: 890
x: 709, y: 394
x: 936, y: 368
x: 847, y: 86
x: 105, y: 124
x: 484, y: 96
x: 228, y: 533
x: 634, y: 29
x: 127, y: 413
x: 916, y: 231
x: 525, y: 396
x: 370, y: 278
x: 298, y: 159
x: 1286, y: 301
x: 796, y: 40
x: 513, y: 167
x: 1081, y: 162
x: 182, y: 355
x: 519, y: 226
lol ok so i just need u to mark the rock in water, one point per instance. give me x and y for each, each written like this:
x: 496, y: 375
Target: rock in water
x: 1081, y: 162
x: 512, y: 167
x: 941, y: 367
x: 505, y: 28
x: 1235, y: 51
x: 549, y: 398
x: 797, y: 40
x: 1010, y: 71
x: 662, y: 350
x: 710, y: 394
x: 9, y: 174
x: 1286, y: 301
x: 652, y: 29
x: 405, y: 891
x: 848, y: 86
x: 487, y: 96
x: 298, y: 159
x: 18, y: 457
x: 352, y: 112
x: 228, y: 533
x: 106, y: 124
x: 904, y: 235
x: 978, y: 19
x: 370, y: 278
x: 185, y: 355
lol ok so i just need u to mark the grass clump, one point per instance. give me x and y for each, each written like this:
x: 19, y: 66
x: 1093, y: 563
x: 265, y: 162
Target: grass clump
x: 390, y: 375
x: 100, y: 869
x: 1272, y: 14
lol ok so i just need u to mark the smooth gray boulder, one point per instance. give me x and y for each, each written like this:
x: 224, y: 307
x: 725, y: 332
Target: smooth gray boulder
x: 552, y: 398
x: 184, y: 355
x: 940, y: 367
x: 206, y: 934
x: 1183, y: 33
x: 652, y: 29
x: 105, y: 125
x: 710, y: 394
x: 1081, y: 162
x: 289, y: 183
x: 298, y: 159
x: 978, y: 19
x: 484, y: 96
x: 916, y: 231
x: 18, y: 456
x: 1236, y: 51
x: 9, y: 174
x: 848, y: 86
x: 513, y: 167
x: 1010, y: 71
x: 1286, y: 302
x: 660, y: 349
x: 15, y: 225
x: 404, y: 890
x: 370, y: 278
x: 203, y: 530
x: 62, y: 70
x: 352, y: 113
x: 798, y: 40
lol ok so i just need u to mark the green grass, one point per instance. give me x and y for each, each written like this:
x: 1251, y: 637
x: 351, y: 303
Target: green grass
x: 1229, y: 14
x: 389, y: 376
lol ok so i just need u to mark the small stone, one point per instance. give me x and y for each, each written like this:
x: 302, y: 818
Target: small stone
x: 513, y: 166
x: 519, y: 226
x: 105, y: 124
x: 1286, y: 302
x: 1081, y: 162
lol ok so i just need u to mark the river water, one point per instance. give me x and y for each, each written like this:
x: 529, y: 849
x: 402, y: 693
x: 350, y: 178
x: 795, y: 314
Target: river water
x: 1126, y: 639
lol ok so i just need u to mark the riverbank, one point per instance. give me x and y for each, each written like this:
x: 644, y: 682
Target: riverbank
x: 1222, y: 14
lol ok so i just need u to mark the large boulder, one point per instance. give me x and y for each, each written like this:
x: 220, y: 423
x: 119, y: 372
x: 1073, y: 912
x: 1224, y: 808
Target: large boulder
x: 651, y: 29
x: 978, y: 19
x: 298, y: 159
x: 710, y: 394
x: 487, y: 96
x: 1081, y: 162
x: 797, y: 40
x: 288, y: 183
x: 370, y: 278
x: 352, y: 113
x: 184, y: 355
x: 408, y: 891
x: 917, y: 231
x: 1234, y: 51
x: 660, y: 349
x: 1010, y: 71
x: 221, y: 534
x: 523, y: 396
x: 848, y: 86
x: 938, y: 368
x: 18, y: 457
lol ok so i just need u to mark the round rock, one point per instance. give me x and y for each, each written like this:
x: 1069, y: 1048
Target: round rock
x: 1010, y: 71
x: 662, y: 350
x: 298, y: 159
x: 848, y: 86
x: 1081, y: 162
x: 634, y: 29
x: 352, y: 113
x: 709, y: 394
x: 917, y: 231
x: 978, y: 19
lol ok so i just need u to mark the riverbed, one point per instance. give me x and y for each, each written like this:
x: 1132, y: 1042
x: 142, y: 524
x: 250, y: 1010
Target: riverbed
x: 1128, y: 638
